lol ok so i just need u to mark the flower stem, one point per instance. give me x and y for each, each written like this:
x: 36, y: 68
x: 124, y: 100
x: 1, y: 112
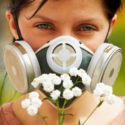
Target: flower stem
x: 76, y: 83
x: 98, y: 105
x: 61, y: 114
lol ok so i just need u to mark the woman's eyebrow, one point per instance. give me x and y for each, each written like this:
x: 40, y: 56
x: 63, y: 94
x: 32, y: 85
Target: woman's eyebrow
x: 89, y: 19
x: 37, y: 16
x: 81, y: 20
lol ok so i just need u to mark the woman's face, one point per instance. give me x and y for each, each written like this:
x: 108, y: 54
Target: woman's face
x: 82, y: 19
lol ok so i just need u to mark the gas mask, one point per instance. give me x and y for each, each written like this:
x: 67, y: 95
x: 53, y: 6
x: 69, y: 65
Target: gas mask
x: 58, y: 56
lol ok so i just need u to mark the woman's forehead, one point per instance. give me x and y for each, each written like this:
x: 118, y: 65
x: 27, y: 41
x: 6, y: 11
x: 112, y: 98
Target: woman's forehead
x: 63, y: 2
x: 74, y: 7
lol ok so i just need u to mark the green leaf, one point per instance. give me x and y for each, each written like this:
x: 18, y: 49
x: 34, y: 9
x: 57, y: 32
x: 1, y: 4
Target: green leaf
x: 79, y: 122
x: 69, y: 114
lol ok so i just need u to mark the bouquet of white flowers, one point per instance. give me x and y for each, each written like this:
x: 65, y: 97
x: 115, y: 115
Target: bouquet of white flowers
x: 62, y: 90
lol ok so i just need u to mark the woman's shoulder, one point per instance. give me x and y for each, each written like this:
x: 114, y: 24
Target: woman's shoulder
x: 111, y: 114
x: 7, y: 115
x: 123, y: 98
x: 120, y: 112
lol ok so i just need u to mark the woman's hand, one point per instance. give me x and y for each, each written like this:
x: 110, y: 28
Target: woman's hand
x: 47, y: 109
x: 50, y: 111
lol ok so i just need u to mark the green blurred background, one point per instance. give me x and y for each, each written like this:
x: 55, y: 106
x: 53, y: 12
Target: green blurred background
x: 117, y: 37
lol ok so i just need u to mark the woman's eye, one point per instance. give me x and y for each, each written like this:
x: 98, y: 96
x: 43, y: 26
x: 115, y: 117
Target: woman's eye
x: 44, y: 26
x: 87, y: 28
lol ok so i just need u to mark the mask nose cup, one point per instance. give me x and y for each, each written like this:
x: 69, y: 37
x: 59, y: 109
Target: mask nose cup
x: 61, y: 54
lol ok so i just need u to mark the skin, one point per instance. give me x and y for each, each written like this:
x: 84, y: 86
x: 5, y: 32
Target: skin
x: 49, y: 23
x: 80, y: 109
x: 81, y: 19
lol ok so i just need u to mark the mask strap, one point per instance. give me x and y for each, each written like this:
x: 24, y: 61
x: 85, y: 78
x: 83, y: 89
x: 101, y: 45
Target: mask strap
x: 106, y: 38
x: 17, y: 28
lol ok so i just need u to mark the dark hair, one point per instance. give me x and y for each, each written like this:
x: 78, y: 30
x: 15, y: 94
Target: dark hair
x: 110, y: 8
x: 15, y: 6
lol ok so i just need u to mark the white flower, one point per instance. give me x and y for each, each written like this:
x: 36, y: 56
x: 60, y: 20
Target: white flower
x: 86, y: 80
x: 73, y: 71
x: 77, y: 91
x: 33, y: 95
x: 108, y: 90
x: 67, y: 84
x: 56, y: 80
x: 36, y: 102
x: 44, y: 78
x: 98, y: 91
x: 25, y: 103
x: 55, y: 94
x: 81, y: 72
x: 102, y: 90
x: 32, y: 103
x: 65, y: 76
x: 35, y: 84
x: 38, y: 79
x: 67, y: 94
x: 32, y: 110
x: 48, y: 87
x: 110, y: 99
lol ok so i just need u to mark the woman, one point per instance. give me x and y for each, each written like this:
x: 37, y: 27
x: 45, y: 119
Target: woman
x: 37, y: 22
